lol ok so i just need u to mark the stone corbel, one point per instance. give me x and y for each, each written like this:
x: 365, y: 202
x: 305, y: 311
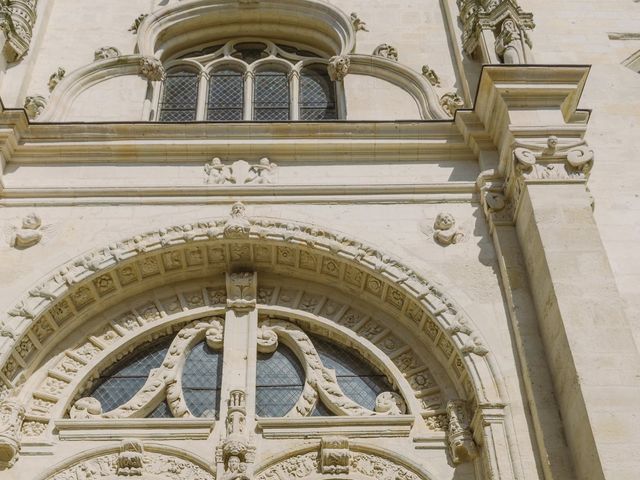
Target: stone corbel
x: 152, y: 69
x: 11, y: 418
x: 338, y: 67
x: 461, y: 444
x: 335, y: 456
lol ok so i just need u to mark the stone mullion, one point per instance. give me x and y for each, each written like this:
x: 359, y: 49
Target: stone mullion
x: 588, y: 341
x: 240, y: 348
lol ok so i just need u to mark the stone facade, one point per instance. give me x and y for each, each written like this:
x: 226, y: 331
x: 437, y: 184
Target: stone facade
x: 453, y: 222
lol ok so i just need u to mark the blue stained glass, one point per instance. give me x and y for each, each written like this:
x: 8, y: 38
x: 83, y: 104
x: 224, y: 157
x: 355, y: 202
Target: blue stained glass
x: 358, y: 380
x: 201, y: 379
x: 120, y: 382
x: 317, y: 96
x: 279, y: 383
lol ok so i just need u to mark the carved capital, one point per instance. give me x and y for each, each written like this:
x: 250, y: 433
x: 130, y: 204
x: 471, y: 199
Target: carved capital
x: 11, y: 418
x: 242, y: 290
x: 152, y: 69
x: 334, y: 455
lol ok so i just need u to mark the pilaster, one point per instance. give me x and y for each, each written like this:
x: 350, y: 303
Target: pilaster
x: 536, y: 193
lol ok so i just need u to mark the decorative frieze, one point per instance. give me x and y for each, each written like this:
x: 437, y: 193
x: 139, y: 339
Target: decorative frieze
x: 496, y: 31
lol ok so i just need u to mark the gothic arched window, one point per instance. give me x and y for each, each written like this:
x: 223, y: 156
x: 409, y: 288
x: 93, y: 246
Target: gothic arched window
x: 248, y: 80
x: 179, y: 97
x: 271, y: 96
x: 317, y: 95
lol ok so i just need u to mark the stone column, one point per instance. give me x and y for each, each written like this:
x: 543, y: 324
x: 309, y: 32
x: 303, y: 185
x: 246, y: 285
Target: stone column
x: 530, y: 116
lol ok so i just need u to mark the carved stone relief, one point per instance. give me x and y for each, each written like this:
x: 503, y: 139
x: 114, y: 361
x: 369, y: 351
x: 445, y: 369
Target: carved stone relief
x: 28, y: 234
x: 463, y: 448
x: 241, y: 290
x: 309, y: 464
x: 338, y: 68
x: 105, y: 53
x: 505, y: 22
x: 11, y: 418
x: 431, y: 75
x: 17, y: 19
x: 334, y: 455
x: 451, y: 102
x: 386, y: 51
x: 34, y: 105
x: 236, y: 453
x: 155, y: 465
x: 358, y: 25
x: 152, y: 69
x: 445, y: 230
x: 56, y: 78
x: 136, y: 23
x: 240, y: 172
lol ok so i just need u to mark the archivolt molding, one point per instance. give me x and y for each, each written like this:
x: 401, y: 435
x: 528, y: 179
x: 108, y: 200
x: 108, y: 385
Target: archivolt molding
x: 132, y: 458
x: 403, y: 77
x: 81, y: 288
x: 83, y: 78
x: 177, y: 27
x: 362, y: 463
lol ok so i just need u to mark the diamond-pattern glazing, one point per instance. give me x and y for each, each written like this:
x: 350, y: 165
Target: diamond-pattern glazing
x: 271, y: 101
x: 161, y: 411
x: 120, y: 382
x: 226, y: 96
x: 201, y: 380
x: 279, y: 382
x: 180, y: 97
x: 317, y: 96
x: 359, y: 381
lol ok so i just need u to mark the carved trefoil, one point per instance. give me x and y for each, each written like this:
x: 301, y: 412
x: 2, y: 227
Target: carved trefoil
x: 11, y: 418
x: 334, y: 455
x: 462, y: 447
x: 496, y: 31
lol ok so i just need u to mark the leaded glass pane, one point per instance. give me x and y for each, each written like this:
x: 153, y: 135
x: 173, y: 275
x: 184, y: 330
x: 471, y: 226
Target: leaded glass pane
x: 161, y: 411
x: 271, y: 96
x: 201, y: 379
x: 180, y: 97
x: 226, y: 96
x: 119, y: 383
x: 317, y: 96
x: 359, y: 381
x: 280, y: 380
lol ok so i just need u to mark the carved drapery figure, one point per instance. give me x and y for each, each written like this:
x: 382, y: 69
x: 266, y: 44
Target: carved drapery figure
x: 240, y: 172
x: 11, y: 418
x: 463, y: 448
x: 496, y: 31
x: 509, y: 45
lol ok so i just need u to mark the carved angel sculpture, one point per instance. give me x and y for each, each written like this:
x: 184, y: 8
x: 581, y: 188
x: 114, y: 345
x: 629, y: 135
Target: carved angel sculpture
x: 509, y: 43
x: 446, y: 232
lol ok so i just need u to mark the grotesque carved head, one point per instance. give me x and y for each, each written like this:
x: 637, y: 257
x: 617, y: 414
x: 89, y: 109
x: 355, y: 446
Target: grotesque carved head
x: 31, y: 222
x: 445, y: 221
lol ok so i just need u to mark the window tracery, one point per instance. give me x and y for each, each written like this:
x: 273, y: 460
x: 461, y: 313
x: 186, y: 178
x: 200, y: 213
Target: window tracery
x: 248, y: 79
